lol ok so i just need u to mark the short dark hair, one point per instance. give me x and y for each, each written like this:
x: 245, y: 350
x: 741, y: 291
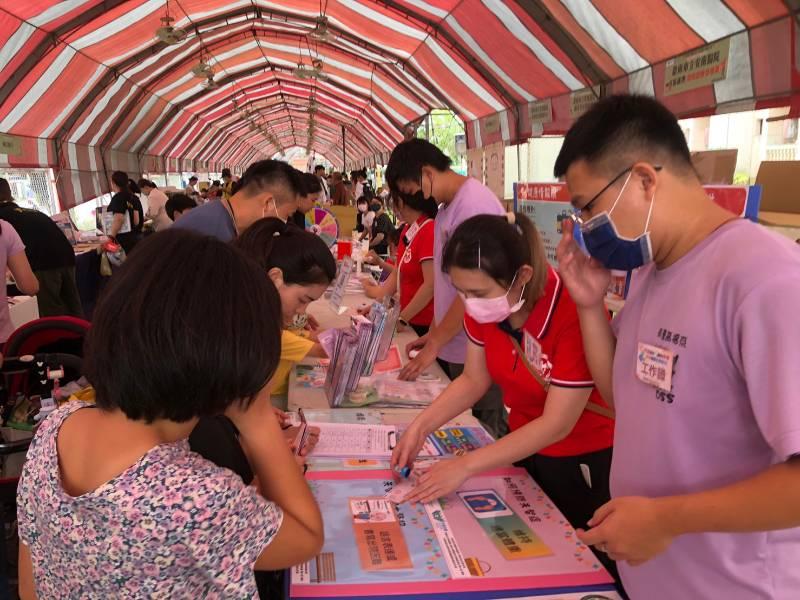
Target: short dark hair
x: 427, y: 206
x: 5, y: 189
x: 193, y: 178
x: 499, y: 249
x: 189, y: 358
x: 408, y: 158
x: 120, y: 179
x: 143, y: 183
x: 226, y: 172
x: 319, y: 168
x: 216, y: 182
x: 311, y: 184
x: 303, y: 257
x: 179, y: 203
x: 621, y: 129
x: 275, y: 176
x: 394, y: 235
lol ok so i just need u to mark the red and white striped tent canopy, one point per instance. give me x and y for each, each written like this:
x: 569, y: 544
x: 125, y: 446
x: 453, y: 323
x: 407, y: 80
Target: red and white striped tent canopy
x: 87, y: 86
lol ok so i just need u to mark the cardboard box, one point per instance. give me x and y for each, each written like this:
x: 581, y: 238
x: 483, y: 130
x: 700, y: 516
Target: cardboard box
x: 779, y: 181
x: 715, y: 166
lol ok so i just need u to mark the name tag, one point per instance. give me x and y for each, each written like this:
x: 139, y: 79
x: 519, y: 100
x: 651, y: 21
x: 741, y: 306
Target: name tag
x: 654, y: 366
x: 533, y: 351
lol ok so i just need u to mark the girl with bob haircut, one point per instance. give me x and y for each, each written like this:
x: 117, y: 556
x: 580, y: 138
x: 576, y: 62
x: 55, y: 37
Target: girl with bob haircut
x: 112, y: 502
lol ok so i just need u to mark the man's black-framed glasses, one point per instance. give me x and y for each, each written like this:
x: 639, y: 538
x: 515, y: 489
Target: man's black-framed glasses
x: 587, y: 208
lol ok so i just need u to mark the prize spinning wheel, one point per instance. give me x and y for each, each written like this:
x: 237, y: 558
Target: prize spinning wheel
x: 321, y: 222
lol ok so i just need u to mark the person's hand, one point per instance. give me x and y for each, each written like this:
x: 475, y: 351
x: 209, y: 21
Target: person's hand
x: 313, y: 335
x: 408, y: 447
x: 311, y: 323
x: 371, y: 258
x: 444, y: 478
x: 632, y: 529
x: 282, y: 417
x: 290, y: 435
x: 427, y: 355
x: 371, y: 289
x: 253, y: 420
x: 586, y: 279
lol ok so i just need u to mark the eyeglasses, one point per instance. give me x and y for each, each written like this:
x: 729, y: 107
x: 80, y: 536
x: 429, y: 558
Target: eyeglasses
x: 587, y: 208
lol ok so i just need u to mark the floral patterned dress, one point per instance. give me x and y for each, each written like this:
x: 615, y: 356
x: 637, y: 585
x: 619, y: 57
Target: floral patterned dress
x: 173, y: 525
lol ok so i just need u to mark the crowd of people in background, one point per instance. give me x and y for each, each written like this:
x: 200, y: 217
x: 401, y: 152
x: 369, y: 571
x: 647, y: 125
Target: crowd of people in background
x: 679, y: 496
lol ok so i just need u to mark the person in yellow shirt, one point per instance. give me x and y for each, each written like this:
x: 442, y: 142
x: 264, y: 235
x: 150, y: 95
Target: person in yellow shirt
x: 227, y: 184
x: 302, y: 267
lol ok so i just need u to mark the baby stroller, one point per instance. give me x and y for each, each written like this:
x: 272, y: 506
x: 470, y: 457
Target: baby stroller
x: 32, y: 352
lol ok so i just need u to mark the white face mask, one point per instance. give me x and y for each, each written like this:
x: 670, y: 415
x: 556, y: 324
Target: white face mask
x: 493, y: 310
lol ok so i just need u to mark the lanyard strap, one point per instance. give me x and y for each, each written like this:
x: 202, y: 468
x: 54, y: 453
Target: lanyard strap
x: 590, y: 406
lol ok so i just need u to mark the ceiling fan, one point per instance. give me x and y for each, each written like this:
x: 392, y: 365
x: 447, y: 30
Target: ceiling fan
x: 321, y: 33
x: 209, y: 83
x: 203, y: 69
x: 167, y: 33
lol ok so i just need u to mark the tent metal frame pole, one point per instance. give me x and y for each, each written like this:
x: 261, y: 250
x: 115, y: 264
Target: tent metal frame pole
x: 344, y: 151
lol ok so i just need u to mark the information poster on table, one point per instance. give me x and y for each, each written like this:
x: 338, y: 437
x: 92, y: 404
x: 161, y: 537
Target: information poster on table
x: 499, y: 534
x: 342, y: 279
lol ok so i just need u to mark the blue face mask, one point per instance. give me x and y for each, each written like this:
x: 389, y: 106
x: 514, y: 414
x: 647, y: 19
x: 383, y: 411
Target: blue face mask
x: 607, y: 246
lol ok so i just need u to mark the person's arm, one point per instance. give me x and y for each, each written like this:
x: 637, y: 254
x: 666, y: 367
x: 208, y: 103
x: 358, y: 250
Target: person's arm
x: 116, y: 224
x: 376, y: 240
x: 562, y: 409
x: 636, y: 529
x: 23, y: 275
x: 26, y: 589
x: 462, y: 393
x: 424, y: 294
x: 376, y: 292
x: 587, y: 282
x: 435, y: 340
x: 599, y: 345
x: 301, y: 534
x: 317, y: 351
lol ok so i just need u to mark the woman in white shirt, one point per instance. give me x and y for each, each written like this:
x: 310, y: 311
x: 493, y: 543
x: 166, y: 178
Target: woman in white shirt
x: 156, y: 205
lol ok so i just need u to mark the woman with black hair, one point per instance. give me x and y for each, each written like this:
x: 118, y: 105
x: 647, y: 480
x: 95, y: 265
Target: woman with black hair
x: 524, y: 335
x: 112, y: 502
x: 302, y: 267
x: 128, y: 221
x: 413, y: 275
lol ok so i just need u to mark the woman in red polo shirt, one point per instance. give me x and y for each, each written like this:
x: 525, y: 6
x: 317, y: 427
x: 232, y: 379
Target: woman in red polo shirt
x: 414, y: 272
x: 525, y: 336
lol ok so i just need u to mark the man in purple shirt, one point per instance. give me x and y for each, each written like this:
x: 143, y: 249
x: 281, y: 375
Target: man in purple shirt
x: 417, y: 167
x: 701, y: 365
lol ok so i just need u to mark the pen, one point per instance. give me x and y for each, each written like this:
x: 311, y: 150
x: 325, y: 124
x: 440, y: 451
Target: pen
x: 403, y: 471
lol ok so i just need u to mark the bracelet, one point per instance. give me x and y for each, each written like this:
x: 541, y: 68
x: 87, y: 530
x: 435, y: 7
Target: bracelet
x: 402, y: 321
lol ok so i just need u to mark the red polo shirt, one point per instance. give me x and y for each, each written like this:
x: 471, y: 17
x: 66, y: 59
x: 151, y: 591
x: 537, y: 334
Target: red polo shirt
x: 410, y: 259
x: 553, y: 323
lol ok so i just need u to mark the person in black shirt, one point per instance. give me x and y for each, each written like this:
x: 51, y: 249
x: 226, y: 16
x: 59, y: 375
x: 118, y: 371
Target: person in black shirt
x: 50, y: 254
x: 306, y: 198
x: 381, y: 228
x: 128, y: 221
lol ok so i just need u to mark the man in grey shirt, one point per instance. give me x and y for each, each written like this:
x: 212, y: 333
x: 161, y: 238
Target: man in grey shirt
x: 265, y: 186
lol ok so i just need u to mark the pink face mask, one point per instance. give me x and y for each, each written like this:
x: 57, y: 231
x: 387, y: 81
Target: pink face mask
x: 492, y: 310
